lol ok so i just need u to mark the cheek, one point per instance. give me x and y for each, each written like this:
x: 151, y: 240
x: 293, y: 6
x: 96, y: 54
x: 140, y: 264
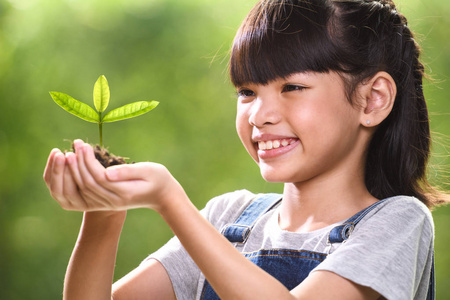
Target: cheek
x: 326, y: 128
x: 242, y: 121
x: 240, y: 125
x: 308, y: 119
x: 244, y: 131
x: 322, y: 114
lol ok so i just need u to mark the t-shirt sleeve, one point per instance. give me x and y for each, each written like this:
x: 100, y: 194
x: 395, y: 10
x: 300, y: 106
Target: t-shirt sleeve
x: 390, y: 251
x: 182, y: 270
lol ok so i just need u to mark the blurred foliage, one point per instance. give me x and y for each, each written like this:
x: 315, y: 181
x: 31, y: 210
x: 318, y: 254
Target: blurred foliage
x: 167, y: 50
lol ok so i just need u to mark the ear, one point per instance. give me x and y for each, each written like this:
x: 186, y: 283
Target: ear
x: 377, y: 99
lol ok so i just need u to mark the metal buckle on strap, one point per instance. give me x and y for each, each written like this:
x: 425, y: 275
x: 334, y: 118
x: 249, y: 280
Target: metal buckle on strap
x: 347, y: 231
x: 340, y: 233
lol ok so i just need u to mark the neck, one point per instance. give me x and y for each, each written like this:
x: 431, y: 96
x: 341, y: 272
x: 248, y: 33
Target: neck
x: 309, y: 206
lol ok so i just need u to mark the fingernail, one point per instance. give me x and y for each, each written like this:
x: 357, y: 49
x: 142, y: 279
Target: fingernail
x: 59, y: 159
x: 70, y: 157
x: 112, y: 174
x: 77, y: 144
x: 86, y: 148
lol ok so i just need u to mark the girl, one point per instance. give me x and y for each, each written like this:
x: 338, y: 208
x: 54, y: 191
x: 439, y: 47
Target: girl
x: 330, y: 102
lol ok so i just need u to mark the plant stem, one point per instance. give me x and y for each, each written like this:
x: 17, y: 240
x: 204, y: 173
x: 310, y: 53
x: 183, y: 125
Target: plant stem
x: 100, y: 129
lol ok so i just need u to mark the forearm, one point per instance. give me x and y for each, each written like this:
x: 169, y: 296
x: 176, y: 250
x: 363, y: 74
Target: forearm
x: 228, y: 271
x: 91, y: 268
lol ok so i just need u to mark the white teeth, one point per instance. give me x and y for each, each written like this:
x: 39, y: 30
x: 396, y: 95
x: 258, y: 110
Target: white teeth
x: 269, y: 145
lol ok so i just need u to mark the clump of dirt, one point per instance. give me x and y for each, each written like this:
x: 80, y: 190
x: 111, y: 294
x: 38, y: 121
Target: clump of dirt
x: 108, y: 159
x: 105, y: 158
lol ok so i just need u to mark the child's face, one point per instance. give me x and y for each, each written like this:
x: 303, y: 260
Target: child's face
x: 300, y: 127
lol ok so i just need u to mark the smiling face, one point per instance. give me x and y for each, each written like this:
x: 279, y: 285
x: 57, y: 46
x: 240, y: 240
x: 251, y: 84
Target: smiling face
x: 301, y: 127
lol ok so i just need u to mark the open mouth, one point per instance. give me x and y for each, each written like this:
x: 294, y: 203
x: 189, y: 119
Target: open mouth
x: 275, y: 144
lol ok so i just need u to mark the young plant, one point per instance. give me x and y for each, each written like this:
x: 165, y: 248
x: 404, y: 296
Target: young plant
x: 101, y: 102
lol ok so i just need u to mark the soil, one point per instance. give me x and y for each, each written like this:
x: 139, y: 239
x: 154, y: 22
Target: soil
x: 105, y: 158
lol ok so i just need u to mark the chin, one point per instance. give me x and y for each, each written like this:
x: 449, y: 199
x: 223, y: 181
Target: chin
x: 273, y: 176
x: 285, y: 175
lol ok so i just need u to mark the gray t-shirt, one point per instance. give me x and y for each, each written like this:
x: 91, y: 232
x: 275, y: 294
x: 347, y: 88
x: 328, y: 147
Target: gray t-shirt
x: 390, y: 250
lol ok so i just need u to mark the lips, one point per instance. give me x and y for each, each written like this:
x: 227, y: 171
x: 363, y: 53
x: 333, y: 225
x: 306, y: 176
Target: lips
x: 272, y: 147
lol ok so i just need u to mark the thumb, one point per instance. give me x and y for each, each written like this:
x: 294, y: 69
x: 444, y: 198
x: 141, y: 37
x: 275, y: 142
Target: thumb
x: 124, y: 172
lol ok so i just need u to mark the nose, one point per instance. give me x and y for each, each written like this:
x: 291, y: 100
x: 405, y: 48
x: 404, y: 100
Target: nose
x: 264, y: 112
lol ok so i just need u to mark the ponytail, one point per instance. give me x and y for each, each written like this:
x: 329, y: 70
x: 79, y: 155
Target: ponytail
x: 398, y: 154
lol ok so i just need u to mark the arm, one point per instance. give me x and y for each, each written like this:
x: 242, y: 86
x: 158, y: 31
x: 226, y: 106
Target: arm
x: 90, y: 271
x: 225, y: 267
x: 148, y: 281
x: 91, y: 267
x: 151, y: 186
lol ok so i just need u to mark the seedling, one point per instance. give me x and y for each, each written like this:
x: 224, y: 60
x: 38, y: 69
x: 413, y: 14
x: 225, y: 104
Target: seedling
x: 101, y: 102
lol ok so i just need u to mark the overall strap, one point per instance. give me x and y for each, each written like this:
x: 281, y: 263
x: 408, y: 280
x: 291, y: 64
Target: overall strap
x: 342, y: 232
x: 239, y: 231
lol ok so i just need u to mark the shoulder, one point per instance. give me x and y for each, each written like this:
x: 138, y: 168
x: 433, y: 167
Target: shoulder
x: 401, y: 211
x: 395, y: 219
x: 406, y: 202
x: 390, y: 250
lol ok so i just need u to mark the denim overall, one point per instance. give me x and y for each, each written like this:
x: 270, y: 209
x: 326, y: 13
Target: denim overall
x: 289, y: 266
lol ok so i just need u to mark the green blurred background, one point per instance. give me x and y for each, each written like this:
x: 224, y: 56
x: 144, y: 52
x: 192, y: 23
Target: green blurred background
x: 172, y: 51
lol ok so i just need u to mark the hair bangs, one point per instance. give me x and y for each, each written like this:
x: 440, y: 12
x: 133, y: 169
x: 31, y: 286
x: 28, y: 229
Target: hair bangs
x: 276, y: 40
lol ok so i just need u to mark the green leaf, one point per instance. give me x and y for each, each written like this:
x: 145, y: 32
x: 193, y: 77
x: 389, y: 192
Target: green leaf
x: 101, y: 94
x: 75, y: 107
x: 129, y: 111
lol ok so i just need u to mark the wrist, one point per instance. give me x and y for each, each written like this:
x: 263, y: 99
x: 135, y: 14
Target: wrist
x: 104, y: 219
x: 175, y: 201
x: 169, y: 196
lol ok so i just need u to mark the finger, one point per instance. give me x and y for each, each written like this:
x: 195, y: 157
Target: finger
x: 48, y: 166
x: 77, y: 144
x: 90, y: 169
x: 56, y: 177
x: 122, y: 172
x: 72, y: 199
x: 97, y: 171
x: 71, y: 160
x: 136, y: 171
x: 94, y: 184
x: 72, y: 182
x: 84, y: 175
x: 93, y: 166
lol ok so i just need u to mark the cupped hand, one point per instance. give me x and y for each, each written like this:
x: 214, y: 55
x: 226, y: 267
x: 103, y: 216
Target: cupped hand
x: 77, y: 181
x: 60, y: 183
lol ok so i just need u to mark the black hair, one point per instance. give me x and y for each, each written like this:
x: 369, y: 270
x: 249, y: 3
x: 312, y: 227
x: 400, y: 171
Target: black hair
x: 356, y: 38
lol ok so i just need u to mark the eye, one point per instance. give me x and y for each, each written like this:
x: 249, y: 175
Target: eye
x: 292, y: 87
x: 245, y: 93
